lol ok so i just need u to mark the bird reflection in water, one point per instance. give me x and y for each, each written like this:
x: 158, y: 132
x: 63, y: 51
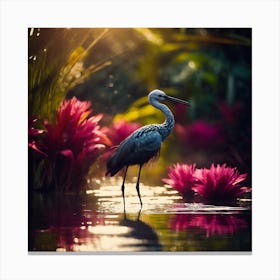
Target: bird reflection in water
x: 143, y: 232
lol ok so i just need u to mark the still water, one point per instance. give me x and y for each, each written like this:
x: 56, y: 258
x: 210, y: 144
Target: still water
x: 97, y: 222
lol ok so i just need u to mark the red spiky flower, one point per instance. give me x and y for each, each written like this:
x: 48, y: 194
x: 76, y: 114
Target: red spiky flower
x: 182, y: 178
x: 201, y: 134
x: 120, y: 130
x: 71, y: 144
x: 219, y: 184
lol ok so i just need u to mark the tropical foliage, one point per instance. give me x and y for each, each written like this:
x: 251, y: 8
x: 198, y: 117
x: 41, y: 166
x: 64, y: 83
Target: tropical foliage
x: 56, y: 63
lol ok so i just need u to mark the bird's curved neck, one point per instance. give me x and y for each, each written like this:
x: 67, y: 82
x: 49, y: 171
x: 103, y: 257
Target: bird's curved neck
x: 168, y: 124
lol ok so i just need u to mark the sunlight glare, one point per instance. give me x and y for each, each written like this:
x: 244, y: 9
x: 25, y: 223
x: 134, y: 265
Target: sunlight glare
x: 109, y: 230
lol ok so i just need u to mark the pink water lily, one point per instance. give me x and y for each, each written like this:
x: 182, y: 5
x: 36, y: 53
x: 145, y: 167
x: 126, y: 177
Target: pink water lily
x: 182, y: 178
x: 219, y: 184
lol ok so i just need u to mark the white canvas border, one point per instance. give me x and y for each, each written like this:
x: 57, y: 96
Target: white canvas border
x: 262, y: 16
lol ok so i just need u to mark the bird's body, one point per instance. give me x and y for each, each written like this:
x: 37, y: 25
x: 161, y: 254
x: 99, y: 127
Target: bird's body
x: 131, y: 152
x: 138, y: 148
x: 144, y: 143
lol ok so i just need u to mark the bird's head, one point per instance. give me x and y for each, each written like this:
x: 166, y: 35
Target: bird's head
x: 159, y: 95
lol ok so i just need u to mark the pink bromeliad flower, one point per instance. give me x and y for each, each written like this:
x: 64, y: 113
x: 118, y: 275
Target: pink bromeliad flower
x: 200, y: 134
x: 121, y: 130
x: 74, y: 130
x: 182, y: 178
x: 219, y: 184
x: 229, y: 112
x: 71, y: 144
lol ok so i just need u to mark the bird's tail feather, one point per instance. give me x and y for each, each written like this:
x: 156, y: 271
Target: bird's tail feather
x: 112, y: 167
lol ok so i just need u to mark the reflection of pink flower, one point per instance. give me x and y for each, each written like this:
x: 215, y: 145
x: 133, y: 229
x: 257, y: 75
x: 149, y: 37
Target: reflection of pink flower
x: 181, y: 178
x: 218, y: 224
x: 200, y: 133
x: 71, y: 144
x: 219, y: 184
x: 211, y: 223
x: 121, y: 130
x: 181, y: 222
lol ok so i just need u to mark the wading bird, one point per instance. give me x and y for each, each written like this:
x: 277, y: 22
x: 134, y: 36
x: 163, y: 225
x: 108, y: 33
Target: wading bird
x: 144, y: 143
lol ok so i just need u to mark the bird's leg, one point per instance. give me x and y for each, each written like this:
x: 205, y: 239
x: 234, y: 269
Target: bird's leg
x: 139, y: 213
x: 137, y: 185
x: 123, y: 186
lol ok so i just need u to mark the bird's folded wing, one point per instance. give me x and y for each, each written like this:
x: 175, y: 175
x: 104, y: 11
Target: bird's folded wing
x: 136, y: 149
x: 150, y: 141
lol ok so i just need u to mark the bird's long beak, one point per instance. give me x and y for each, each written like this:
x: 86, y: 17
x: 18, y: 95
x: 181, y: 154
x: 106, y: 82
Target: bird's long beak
x: 174, y: 99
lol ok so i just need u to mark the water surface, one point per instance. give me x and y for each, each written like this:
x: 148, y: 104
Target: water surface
x: 98, y: 222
